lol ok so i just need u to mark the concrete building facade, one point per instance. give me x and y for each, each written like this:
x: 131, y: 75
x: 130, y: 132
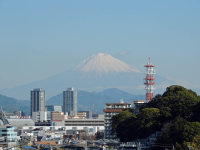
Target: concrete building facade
x: 58, y: 116
x: 52, y: 108
x: 111, y: 110
x: 138, y: 104
x: 38, y: 109
x: 70, y: 102
x: 8, y: 136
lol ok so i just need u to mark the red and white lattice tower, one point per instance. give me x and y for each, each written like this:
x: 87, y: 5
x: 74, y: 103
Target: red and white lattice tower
x: 149, y: 81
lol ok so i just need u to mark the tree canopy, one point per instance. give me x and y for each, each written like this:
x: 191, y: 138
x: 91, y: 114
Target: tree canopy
x: 175, y: 114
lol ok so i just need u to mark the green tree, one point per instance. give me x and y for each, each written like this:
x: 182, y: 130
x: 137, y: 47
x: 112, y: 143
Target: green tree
x: 181, y: 133
x: 120, y: 121
x: 124, y: 115
x: 149, y: 121
x: 175, y: 113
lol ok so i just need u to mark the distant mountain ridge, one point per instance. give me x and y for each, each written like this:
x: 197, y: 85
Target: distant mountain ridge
x: 95, y: 101
x: 10, y: 104
x: 98, y: 72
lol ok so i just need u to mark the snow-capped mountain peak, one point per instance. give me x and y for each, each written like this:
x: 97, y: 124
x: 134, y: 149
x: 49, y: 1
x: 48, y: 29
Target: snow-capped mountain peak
x: 104, y: 63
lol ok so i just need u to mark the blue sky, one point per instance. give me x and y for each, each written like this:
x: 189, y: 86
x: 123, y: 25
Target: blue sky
x: 39, y: 39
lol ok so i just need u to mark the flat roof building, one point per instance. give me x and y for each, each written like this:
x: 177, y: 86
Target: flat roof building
x: 8, y: 136
x: 138, y: 104
x: 21, y: 122
x: 38, y: 109
x: 70, y: 102
x: 111, y: 110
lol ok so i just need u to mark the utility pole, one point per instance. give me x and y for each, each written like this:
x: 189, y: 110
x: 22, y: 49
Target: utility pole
x: 173, y: 147
x: 190, y: 147
x: 138, y: 146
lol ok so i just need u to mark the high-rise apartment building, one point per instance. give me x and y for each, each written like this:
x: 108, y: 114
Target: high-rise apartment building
x: 38, y: 112
x: 70, y: 102
x: 111, y: 110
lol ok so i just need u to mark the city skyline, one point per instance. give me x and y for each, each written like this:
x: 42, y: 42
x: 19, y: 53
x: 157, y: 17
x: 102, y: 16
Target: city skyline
x: 54, y: 37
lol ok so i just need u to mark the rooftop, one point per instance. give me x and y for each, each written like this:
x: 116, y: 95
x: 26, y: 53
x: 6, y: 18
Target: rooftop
x: 112, y: 110
x: 118, y: 103
x: 21, y: 122
x: 46, y: 143
x: 139, y: 101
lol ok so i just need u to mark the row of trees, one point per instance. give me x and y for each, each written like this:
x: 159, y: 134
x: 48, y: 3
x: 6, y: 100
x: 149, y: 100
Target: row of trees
x: 176, y: 113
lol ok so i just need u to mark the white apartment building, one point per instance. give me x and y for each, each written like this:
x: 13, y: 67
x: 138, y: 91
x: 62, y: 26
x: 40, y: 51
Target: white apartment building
x: 111, y: 110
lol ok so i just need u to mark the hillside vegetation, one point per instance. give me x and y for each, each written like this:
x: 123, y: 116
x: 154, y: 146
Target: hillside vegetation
x: 10, y: 104
x: 175, y: 114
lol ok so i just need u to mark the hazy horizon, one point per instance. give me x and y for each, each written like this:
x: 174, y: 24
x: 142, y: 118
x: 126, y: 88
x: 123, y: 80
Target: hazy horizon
x: 40, y: 39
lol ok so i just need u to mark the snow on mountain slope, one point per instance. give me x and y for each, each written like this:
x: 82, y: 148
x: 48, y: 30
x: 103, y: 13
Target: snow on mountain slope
x: 96, y: 73
x: 104, y: 63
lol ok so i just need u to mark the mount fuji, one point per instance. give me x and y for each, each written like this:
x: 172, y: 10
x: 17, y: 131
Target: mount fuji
x: 96, y: 73
x: 104, y: 63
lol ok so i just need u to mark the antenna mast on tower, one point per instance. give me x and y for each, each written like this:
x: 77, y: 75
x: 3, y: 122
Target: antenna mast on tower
x: 149, y: 81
